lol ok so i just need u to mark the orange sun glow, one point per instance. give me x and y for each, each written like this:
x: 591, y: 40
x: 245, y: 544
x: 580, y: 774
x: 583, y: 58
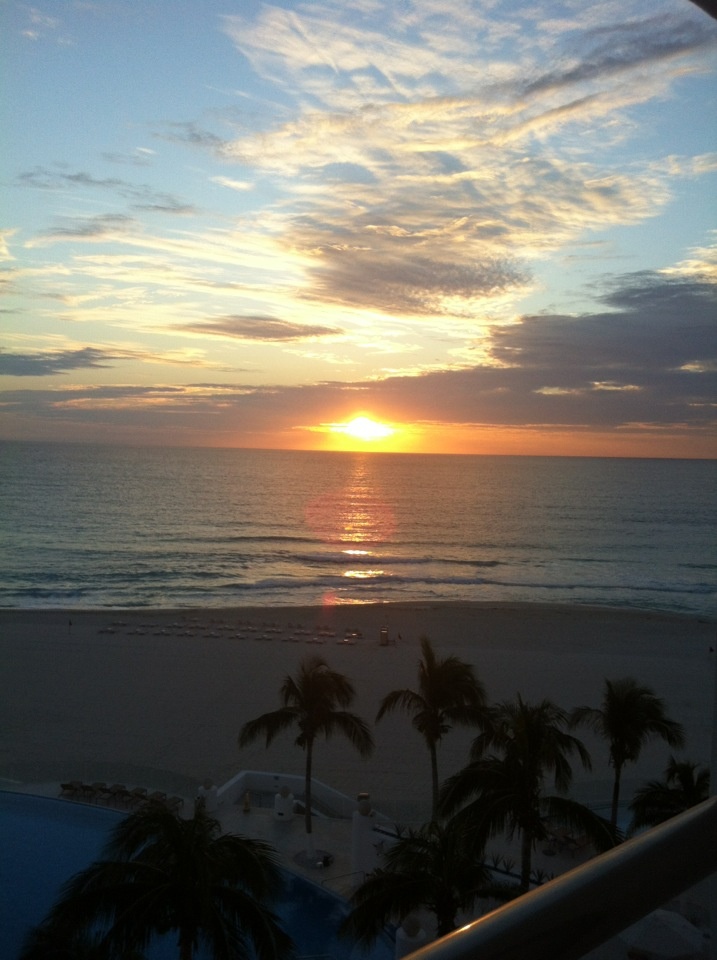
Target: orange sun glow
x: 360, y: 431
x: 364, y: 428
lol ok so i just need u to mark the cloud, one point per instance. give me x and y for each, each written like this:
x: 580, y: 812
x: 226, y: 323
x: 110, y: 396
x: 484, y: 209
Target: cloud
x: 143, y: 196
x: 655, y: 324
x: 240, y: 185
x: 190, y: 133
x: 6, y: 235
x: 105, y: 226
x: 650, y: 359
x: 41, y: 25
x: 407, y: 181
x: 48, y: 362
x: 447, y: 177
x: 141, y: 157
x: 268, y: 329
x: 390, y: 277
x: 609, y: 51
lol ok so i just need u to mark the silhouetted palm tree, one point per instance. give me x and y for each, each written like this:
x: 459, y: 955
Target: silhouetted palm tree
x: 437, y: 867
x: 162, y: 874
x: 315, y: 702
x: 685, y: 785
x: 503, y: 791
x: 448, y: 694
x: 47, y: 942
x: 630, y: 716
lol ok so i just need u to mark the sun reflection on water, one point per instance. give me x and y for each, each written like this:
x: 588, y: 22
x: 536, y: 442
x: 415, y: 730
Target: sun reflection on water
x: 355, y: 513
x: 363, y: 574
x: 356, y: 517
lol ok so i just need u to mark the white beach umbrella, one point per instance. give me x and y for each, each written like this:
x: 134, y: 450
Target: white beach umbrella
x: 664, y: 935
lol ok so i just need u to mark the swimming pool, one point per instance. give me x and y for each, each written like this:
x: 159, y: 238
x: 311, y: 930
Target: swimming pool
x: 45, y: 841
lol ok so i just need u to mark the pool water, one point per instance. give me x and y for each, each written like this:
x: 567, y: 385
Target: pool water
x: 43, y: 842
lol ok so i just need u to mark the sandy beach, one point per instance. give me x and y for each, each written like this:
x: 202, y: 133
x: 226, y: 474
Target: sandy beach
x: 158, y: 696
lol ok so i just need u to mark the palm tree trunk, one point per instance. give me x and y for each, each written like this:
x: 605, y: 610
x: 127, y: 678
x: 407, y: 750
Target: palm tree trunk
x: 434, y: 780
x: 185, y: 946
x: 615, y: 795
x: 307, y: 798
x: 526, y: 857
x: 446, y: 916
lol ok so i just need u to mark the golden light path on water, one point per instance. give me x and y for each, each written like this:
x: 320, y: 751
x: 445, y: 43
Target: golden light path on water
x: 354, y: 515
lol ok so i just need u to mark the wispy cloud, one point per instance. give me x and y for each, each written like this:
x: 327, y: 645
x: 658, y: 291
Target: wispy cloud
x: 102, y: 227
x: 143, y: 196
x: 240, y: 185
x: 261, y: 328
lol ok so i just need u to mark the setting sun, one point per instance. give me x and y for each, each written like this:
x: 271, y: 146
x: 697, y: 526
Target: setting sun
x: 364, y: 428
x: 360, y: 432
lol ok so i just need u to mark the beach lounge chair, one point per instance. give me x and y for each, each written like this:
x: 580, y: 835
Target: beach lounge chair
x: 71, y: 790
x: 119, y: 795
x: 98, y: 792
x: 138, y: 796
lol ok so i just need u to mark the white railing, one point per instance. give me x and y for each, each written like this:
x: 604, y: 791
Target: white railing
x: 260, y: 781
x: 570, y: 916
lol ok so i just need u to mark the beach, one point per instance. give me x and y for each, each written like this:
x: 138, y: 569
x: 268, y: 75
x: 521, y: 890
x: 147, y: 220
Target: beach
x: 157, y: 697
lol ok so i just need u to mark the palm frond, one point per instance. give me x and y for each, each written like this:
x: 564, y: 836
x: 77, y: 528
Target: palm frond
x: 384, y: 897
x: 268, y: 725
x: 351, y: 726
x: 407, y: 700
x: 580, y: 819
x: 437, y: 867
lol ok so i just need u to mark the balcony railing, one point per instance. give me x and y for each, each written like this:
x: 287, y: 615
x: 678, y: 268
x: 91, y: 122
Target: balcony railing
x: 580, y: 910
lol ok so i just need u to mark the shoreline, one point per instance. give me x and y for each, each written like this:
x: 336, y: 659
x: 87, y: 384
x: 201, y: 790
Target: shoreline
x: 139, y: 693
x: 338, y: 604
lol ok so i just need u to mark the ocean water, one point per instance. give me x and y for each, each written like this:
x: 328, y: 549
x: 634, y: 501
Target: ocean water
x: 101, y: 526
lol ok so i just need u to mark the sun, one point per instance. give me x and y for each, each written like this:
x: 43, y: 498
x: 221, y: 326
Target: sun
x: 362, y: 432
x: 366, y: 429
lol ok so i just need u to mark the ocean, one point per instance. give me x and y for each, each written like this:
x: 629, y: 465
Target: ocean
x: 84, y: 526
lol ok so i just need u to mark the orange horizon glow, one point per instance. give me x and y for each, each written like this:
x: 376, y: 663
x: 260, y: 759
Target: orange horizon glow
x: 421, y: 437
x: 370, y: 433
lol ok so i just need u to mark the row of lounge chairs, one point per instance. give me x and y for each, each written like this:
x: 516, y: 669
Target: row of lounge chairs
x: 117, y: 795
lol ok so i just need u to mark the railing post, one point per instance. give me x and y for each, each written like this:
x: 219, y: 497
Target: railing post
x: 713, y: 793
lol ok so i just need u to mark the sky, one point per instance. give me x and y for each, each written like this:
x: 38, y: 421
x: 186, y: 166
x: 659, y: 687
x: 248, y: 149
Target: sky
x: 442, y: 226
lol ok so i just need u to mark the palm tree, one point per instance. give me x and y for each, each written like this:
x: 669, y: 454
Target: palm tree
x: 448, y: 693
x: 161, y: 873
x: 47, y: 942
x: 315, y: 702
x: 684, y: 786
x: 438, y: 867
x: 503, y: 791
x: 630, y: 716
